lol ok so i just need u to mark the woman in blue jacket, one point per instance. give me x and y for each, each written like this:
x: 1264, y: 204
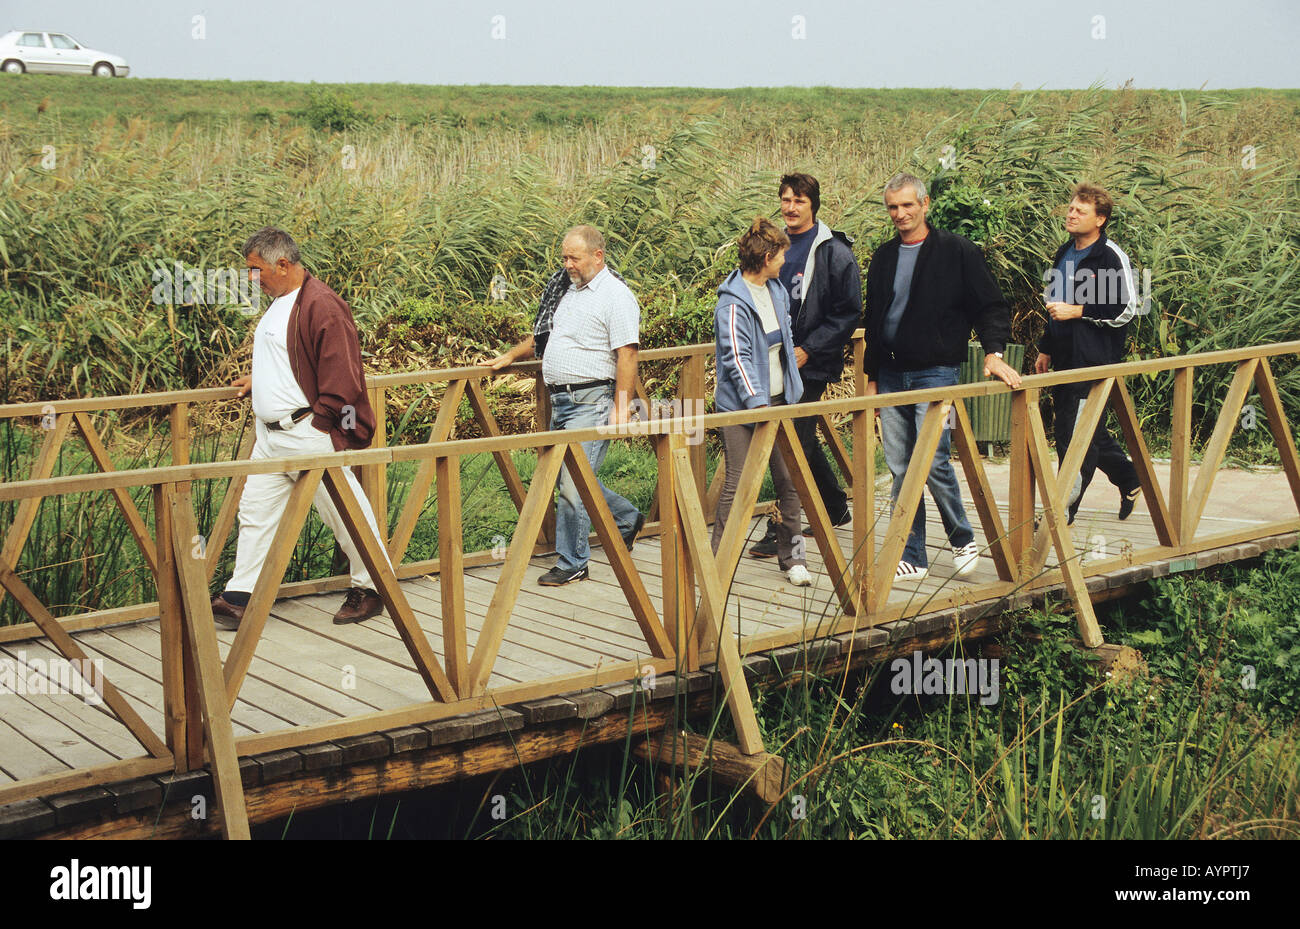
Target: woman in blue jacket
x: 755, y: 364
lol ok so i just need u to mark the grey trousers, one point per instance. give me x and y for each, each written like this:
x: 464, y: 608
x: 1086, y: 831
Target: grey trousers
x: 790, y: 549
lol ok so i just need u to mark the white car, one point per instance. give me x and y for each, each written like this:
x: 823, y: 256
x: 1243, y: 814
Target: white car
x: 56, y: 53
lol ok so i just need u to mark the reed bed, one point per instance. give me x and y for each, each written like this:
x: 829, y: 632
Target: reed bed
x: 433, y: 194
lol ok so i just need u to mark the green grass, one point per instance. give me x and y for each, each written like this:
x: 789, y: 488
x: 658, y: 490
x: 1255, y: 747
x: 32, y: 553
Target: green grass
x: 447, y: 107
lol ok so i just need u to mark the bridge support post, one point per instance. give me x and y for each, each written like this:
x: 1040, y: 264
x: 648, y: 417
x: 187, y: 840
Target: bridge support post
x: 182, y: 714
x: 678, y: 580
x: 692, y: 395
x: 196, y: 614
x: 374, y: 477
x: 1020, y: 517
x: 695, y: 545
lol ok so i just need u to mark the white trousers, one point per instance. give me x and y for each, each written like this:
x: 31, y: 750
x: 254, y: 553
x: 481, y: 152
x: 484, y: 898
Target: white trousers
x: 266, y: 495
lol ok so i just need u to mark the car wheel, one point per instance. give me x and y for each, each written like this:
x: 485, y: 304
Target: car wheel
x: 103, y: 69
x: 14, y: 67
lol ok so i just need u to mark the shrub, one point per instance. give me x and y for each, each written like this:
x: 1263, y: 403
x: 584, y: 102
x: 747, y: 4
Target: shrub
x: 330, y: 110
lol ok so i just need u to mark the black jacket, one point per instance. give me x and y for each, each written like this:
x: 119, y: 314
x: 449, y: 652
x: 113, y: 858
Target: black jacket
x: 832, y: 305
x: 1104, y: 287
x: 953, y: 292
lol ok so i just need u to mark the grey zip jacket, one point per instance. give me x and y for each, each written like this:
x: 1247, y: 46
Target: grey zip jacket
x: 742, y: 349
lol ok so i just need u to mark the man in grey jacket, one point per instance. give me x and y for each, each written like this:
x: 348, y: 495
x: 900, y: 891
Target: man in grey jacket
x: 825, y: 286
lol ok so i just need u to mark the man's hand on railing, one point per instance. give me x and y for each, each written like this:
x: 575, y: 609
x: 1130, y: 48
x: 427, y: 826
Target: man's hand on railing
x: 870, y: 391
x: 521, y: 352
x: 1043, y: 363
x: 620, y: 414
x: 244, y: 382
x: 996, y: 367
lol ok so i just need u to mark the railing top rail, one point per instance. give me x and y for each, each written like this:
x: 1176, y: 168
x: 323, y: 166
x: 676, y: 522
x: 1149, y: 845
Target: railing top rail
x: 215, y: 394
x: 79, y: 483
x: 433, y: 376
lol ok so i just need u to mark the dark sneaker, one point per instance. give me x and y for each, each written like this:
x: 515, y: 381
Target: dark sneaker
x: 629, y: 539
x: 226, y: 614
x: 766, y: 546
x: 843, y: 520
x: 1127, y: 501
x: 360, y: 604
x: 558, y: 577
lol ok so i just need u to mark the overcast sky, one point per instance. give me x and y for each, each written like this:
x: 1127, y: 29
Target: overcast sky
x: 733, y: 43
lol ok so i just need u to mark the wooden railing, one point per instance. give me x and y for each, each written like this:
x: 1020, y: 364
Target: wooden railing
x: 199, y: 689
x: 59, y: 419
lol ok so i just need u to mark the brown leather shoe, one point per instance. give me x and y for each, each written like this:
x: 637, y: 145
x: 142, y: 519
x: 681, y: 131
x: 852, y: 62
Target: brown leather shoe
x: 360, y: 604
x: 226, y: 613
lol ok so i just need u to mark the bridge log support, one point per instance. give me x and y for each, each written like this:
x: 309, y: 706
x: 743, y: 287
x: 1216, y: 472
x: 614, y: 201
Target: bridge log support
x: 690, y: 756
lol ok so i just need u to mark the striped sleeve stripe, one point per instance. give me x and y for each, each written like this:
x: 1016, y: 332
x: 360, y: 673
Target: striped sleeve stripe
x: 1130, y: 309
x: 734, y: 354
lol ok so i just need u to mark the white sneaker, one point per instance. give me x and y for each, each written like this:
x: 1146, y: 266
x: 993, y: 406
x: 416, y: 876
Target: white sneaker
x: 965, y: 558
x: 798, y: 576
x: 909, y: 572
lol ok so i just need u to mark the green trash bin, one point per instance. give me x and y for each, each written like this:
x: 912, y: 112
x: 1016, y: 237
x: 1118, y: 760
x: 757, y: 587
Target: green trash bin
x: 990, y: 417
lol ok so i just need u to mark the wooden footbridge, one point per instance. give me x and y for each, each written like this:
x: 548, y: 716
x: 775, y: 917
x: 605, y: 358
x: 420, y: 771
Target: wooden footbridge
x: 475, y: 668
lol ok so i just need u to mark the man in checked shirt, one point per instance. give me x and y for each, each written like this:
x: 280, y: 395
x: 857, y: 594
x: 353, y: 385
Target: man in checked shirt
x: 588, y: 343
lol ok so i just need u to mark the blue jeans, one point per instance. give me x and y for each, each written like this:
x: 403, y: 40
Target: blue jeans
x: 899, y: 426
x: 583, y: 409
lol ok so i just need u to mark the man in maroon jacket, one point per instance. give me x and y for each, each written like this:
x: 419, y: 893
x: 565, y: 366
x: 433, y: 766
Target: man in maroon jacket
x: 309, y: 398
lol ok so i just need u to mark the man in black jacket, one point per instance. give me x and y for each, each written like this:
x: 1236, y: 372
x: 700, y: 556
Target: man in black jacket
x: 926, y: 290
x: 825, y: 286
x: 1090, y: 299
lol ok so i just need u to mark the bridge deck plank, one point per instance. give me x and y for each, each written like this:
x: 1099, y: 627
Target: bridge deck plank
x: 53, y: 732
x: 95, y: 722
x: 143, y: 639
x: 22, y: 758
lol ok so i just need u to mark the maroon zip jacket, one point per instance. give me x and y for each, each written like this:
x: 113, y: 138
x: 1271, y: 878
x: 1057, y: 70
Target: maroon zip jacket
x: 325, y: 356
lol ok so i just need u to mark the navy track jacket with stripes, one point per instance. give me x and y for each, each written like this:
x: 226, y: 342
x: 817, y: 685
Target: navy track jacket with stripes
x: 1104, y: 285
